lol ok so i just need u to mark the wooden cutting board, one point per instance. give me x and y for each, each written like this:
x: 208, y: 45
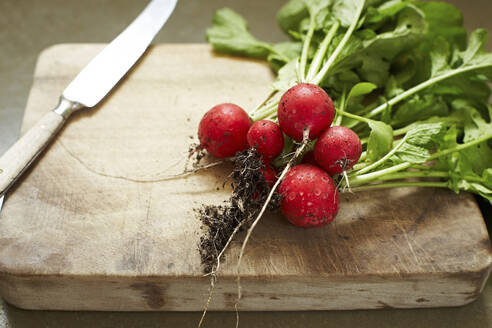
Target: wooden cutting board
x: 91, y: 227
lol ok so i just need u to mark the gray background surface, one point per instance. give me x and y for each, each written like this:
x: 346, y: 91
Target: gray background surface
x: 29, y: 26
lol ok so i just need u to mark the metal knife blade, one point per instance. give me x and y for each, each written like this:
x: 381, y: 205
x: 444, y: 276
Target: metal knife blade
x: 91, y: 85
x: 109, y: 66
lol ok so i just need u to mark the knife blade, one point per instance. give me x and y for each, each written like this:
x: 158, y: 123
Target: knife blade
x: 88, y: 88
x: 109, y: 66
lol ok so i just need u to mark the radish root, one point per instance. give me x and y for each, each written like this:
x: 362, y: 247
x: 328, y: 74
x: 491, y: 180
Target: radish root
x: 213, y: 273
x: 297, y: 153
x: 149, y: 179
x: 223, y: 222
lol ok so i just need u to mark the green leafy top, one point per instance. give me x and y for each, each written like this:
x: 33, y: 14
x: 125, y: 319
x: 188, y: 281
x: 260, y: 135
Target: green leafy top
x: 403, y: 76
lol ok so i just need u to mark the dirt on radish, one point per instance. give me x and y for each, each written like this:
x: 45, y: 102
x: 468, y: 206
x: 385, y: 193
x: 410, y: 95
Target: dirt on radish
x: 249, y: 192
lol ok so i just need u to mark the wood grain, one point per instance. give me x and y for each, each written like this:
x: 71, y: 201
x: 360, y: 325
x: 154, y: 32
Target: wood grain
x: 93, y: 226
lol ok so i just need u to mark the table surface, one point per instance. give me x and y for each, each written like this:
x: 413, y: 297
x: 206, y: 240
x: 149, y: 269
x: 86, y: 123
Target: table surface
x: 29, y: 26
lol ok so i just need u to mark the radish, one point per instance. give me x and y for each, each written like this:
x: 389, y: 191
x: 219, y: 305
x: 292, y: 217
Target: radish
x: 304, y: 111
x: 309, y: 158
x: 268, y: 139
x: 223, y: 129
x: 305, y: 107
x: 309, y: 196
x: 337, y: 149
x: 270, y: 175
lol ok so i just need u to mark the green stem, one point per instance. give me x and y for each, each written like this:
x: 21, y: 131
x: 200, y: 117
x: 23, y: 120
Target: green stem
x: 382, y: 159
x: 343, y: 100
x: 320, y: 54
x: 359, y: 166
x: 264, y: 102
x: 415, y: 174
x: 460, y: 147
x: 267, y: 107
x: 401, y: 184
x: 426, y: 174
x: 305, y: 48
x: 265, y: 112
x: 355, y: 117
x: 365, y: 178
x: 326, y: 67
x: 420, y: 87
x: 399, y: 132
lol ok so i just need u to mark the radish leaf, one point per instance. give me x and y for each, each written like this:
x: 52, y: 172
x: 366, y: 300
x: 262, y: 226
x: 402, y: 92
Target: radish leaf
x: 230, y: 34
x: 380, y: 140
x: 361, y: 89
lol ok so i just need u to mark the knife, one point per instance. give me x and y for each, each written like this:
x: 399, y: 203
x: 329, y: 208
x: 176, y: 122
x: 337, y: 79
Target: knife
x: 88, y: 88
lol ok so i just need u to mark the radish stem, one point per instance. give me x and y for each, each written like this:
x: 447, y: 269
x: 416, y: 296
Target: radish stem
x: 326, y: 67
x: 320, y: 54
x: 305, y: 48
x: 355, y: 117
x: 365, y: 178
x: 401, y: 184
x: 460, y: 147
x: 343, y: 103
x: 418, y: 88
x: 383, y: 159
x: 415, y: 174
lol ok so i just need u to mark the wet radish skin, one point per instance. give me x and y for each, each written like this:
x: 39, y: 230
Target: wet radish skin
x: 305, y: 106
x: 309, y: 159
x: 268, y: 139
x: 270, y: 175
x: 309, y: 196
x: 223, y: 129
x: 337, y: 150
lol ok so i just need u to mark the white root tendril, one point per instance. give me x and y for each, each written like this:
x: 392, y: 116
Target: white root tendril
x: 297, y: 153
x: 149, y: 179
x: 347, y: 183
x: 213, y: 274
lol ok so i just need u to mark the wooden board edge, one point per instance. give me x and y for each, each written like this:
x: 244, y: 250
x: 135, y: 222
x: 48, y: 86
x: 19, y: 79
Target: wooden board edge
x: 51, y: 292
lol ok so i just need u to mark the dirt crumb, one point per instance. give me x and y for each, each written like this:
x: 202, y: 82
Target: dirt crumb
x: 250, y: 191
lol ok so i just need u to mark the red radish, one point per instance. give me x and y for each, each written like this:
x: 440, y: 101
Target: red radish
x: 268, y: 139
x: 337, y: 149
x: 270, y: 175
x: 305, y: 106
x: 223, y: 130
x: 309, y: 159
x: 309, y: 196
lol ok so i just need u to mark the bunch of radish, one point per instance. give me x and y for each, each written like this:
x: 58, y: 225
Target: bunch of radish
x: 305, y: 114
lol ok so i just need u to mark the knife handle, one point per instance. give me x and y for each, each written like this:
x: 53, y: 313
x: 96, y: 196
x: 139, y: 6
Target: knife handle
x: 23, y: 153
